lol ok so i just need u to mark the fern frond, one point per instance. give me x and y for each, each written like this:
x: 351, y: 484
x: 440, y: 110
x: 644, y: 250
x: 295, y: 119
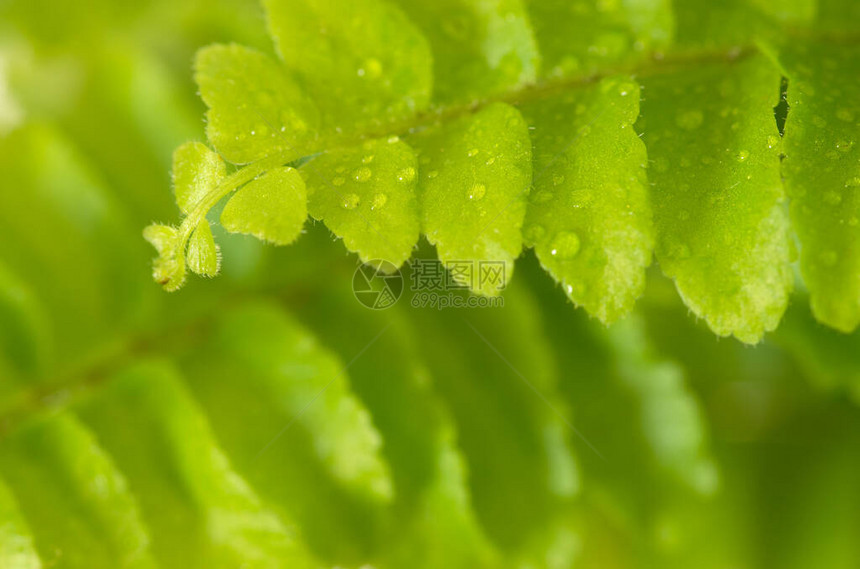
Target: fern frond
x: 713, y: 150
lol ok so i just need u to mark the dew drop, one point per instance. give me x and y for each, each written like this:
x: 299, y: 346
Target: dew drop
x: 407, y: 174
x: 491, y: 161
x: 338, y: 181
x: 742, y: 156
x: 853, y: 183
x: 393, y: 139
x: 557, y: 180
x: 772, y: 141
x: 844, y: 146
x: 351, y: 201
x: 432, y: 174
x: 367, y: 159
x: 363, y: 174
x: 473, y: 152
x: 690, y: 120
x: 379, y: 200
x: 565, y: 245
x: 477, y: 192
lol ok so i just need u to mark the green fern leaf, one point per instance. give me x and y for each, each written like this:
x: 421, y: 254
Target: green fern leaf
x: 196, y: 172
x: 57, y: 471
x: 726, y: 242
x: 822, y: 175
x: 201, y: 513
x: 255, y: 108
x: 479, y: 48
x: 589, y: 216
x: 16, y: 541
x: 477, y: 174
x: 282, y: 195
x: 366, y: 195
x: 363, y: 62
x: 202, y: 251
x: 719, y: 206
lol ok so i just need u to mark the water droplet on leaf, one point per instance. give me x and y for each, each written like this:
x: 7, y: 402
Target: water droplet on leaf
x: 379, y: 200
x: 351, y: 201
x: 363, y: 174
x: 407, y: 174
x: 477, y: 192
x: 565, y: 245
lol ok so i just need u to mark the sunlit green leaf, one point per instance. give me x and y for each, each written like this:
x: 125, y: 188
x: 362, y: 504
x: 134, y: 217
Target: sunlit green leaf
x: 196, y: 172
x: 479, y: 47
x: 168, y: 269
x: 589, y: 216
x: 203, y: 256
x: 366, y: 195
x: 822, y: 175
x: 363, y: 60
x: 272, y: 207
x: 719, y: 206
x: 578, y: 37
x: 256, y: 108
x: 475, y: 178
